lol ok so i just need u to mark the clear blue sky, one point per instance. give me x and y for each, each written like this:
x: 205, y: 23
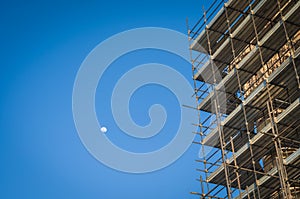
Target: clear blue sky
x: 43, y: 44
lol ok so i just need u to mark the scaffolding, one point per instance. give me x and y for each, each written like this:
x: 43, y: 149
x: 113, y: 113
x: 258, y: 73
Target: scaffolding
x: 246, y: 67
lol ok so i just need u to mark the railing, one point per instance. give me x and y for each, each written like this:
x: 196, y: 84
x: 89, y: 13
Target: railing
x: 206, y: 17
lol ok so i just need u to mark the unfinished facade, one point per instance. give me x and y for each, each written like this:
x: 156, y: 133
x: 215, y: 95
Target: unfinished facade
x: 246, y: 67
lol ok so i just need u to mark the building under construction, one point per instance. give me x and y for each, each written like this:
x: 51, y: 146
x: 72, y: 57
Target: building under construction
x: 246, y: 67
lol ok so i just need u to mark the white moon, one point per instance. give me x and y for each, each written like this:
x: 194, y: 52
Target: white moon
x: 103, y: 129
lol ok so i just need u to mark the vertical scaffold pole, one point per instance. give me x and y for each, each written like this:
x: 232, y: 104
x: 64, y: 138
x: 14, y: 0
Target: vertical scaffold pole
x: 198, y: 112
x: 242, y: 104
x: 216, y: 105
x: 290, y: 43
